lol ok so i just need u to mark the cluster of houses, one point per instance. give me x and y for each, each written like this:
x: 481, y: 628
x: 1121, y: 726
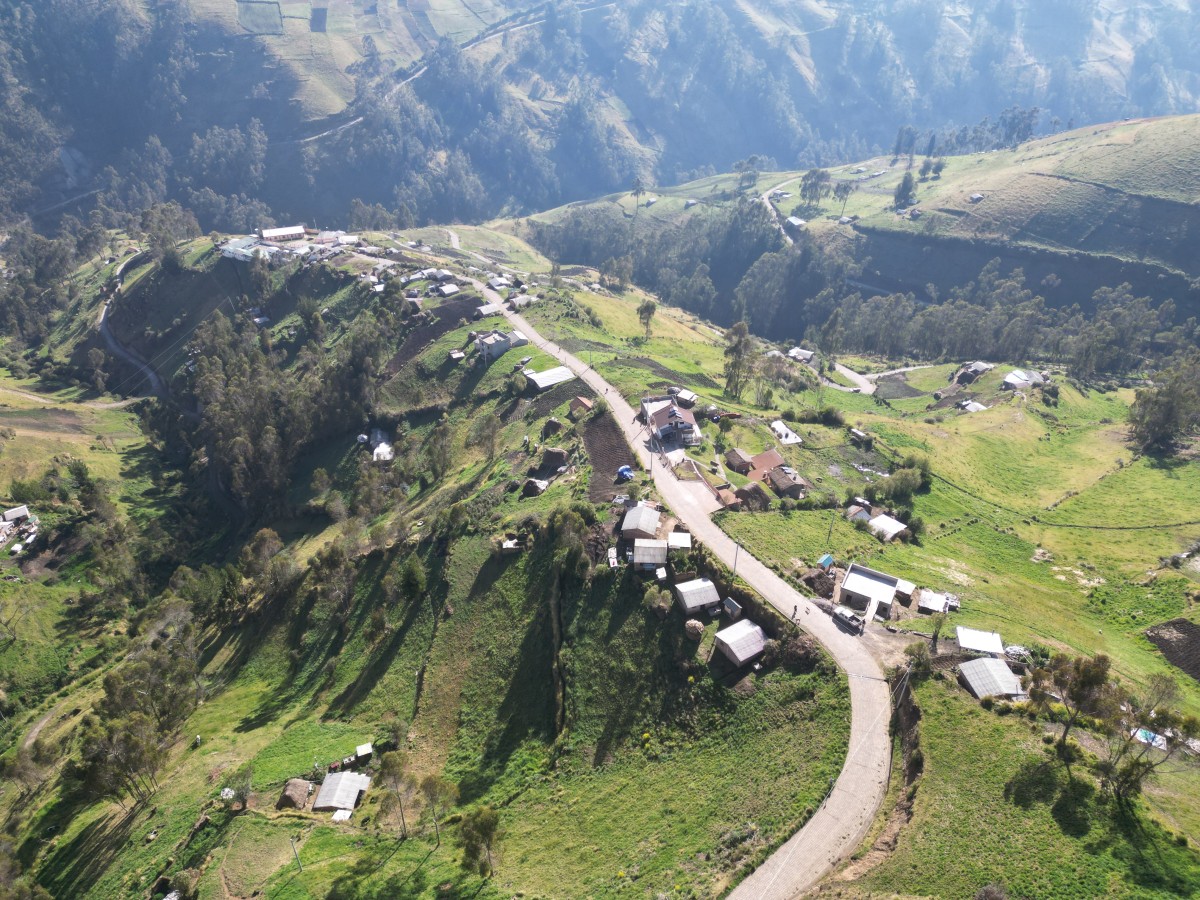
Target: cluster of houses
x: 648, y: 549
x: 883, y: 526
x: 340, y: 792
x: 769, y: 468
x: 19, y: 523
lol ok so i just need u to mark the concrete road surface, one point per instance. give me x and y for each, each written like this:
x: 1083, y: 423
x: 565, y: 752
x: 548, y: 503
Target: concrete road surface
x: 843, y: 820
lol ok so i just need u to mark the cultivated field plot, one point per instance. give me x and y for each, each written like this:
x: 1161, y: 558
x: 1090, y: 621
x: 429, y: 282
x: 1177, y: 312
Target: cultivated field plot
x: 1179, y: 641
x: 608, y: 451
x: 260, y: 16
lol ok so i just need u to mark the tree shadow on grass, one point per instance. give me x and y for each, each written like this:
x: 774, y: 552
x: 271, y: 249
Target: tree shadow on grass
x: 527, y: 710
x: 1074, y: 808
x: 77, y: 865
x: 1151, y: 858
x: 1037, y: 781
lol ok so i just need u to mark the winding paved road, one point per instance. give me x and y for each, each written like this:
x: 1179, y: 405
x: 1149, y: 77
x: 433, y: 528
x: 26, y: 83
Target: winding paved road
x: 841, y: 823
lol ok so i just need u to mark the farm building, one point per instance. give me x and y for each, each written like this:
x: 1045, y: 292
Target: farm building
x: 543, y: 381
x: 867, y: 589
x: 1020, y: 380
x: 728, y: 499
x: 17, y: 514
x: 932, y: 602
x: 581, y: 406
x: 989, y: 678
x: 295, y: 794
x: 640, y: 522
x: 741, y: 642
x: 739, y: 460
x: 699, y: 594
x: 795, y: 223
x: 858, y: 436
x: 976, y: 198
x: 799, y: 354
x: 786, y: 482
x: 341, y: 790
x: 489, y: 309
x: 885, y: 527
x: 649, y: 554
x: 856, y: 513
x: 976, y: 641
x: 971, y: 371
x: 686, y: 398
x: 973, y: 406
x: 446, y: 290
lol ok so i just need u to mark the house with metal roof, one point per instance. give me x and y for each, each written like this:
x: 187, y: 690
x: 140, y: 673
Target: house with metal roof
x: 640, y: 522
x: 990, y: 677
x: 697, y: 595
x: 649, y: 554
x: 742, y: 642
x: 341, y: 790
x: 885, y: 527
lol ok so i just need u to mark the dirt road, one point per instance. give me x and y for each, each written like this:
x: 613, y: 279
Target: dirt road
x: 841, y: 823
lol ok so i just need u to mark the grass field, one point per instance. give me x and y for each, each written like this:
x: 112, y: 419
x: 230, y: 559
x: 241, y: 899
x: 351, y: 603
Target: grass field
x: 991, y: 807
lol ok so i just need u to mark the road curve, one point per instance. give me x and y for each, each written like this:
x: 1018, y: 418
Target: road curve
x: 839, y: 826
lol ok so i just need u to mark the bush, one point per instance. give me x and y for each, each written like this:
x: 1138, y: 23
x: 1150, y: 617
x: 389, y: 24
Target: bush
x: 987, y: 702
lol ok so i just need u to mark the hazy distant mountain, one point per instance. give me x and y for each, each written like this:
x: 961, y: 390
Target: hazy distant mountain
x: 207, y: 102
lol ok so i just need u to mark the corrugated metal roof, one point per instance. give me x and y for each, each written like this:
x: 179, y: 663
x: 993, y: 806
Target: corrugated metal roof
x: 990, y: 678
x: 649, y: 553
x: 641, y: 518
x: 741, y: 641
x: 697, y: 594
x: 340, y: 791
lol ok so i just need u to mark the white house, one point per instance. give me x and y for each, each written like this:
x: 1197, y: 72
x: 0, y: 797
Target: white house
x: 885, y: 527
x: 699, y: 594
x: 741, y: 642
x: 868, y: 589
x: 493, y: 344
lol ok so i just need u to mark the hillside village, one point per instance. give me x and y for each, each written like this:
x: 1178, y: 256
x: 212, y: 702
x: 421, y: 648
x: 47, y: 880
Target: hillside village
x: 847, y: 528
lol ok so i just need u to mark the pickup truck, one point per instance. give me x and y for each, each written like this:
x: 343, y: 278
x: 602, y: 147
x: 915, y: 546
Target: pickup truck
x: 845, y: 616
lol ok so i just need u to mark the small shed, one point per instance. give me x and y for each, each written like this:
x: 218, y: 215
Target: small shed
x: 739, y: 460
x: 341, y: 790
x: 989, y: 678
x: 698, y: 594
x: 640, y: 522
x: 826, y: 562
x: 686, y: 398
x: 679, y: 540
x: 363, y: 753
x: 932, y: 602
x: 741, y: 642
x: 295, y: 794
x: 649, y: 554
x: 728, y: 499
x: 581, y: 406
x: 976, y: 641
